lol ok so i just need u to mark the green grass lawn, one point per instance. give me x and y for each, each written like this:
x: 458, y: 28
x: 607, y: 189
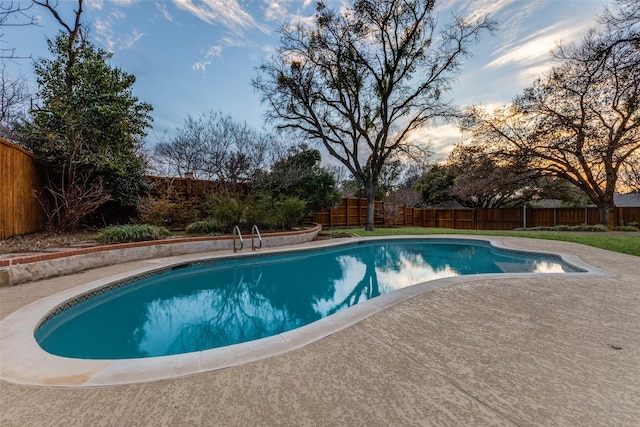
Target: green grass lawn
x: 626, y: 244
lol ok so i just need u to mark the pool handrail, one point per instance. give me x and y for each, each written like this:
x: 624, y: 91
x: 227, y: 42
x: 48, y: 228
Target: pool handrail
x: 254, y: 247
x: 236, y: 229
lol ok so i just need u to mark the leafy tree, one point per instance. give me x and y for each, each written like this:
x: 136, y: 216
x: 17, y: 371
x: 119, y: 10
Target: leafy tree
x: 362, y: 80
x: 435, y: 185
x: 581, y: 121
x: 86, y: 129
x: 387, y: 181
x: 300, y: 175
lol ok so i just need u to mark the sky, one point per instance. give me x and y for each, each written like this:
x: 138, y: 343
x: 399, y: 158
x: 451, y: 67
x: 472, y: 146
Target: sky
x: 195, y: 56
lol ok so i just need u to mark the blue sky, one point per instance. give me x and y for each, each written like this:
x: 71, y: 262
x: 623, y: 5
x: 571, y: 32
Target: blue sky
x: 190, y: 56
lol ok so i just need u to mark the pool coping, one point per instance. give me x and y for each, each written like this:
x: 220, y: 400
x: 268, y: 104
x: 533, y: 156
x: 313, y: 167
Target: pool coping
x: 24, y: 362
x: 22, y: 269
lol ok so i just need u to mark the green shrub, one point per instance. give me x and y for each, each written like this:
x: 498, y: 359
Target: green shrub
x: 290, y: 211
x: 258, y: 208
x: 131, y: 233
x: 204, y: 227
x: 225, y: 209
x: 260, y: 211
x: 273, y: 213
x: 626, y: 228
x: 165, y: 212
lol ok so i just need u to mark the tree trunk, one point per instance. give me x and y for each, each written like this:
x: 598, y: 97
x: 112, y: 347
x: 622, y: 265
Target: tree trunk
x: 607, y: 209
x: 371, y: 203
x: 608, y: 215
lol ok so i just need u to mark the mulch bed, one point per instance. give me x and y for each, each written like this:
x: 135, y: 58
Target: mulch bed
x: 43, y: 242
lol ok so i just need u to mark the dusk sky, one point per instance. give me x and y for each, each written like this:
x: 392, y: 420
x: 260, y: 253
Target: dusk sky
x: 191, y: 57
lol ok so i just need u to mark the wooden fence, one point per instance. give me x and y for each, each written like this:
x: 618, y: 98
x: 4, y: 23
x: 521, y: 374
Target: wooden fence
x: 20, y: 178
x: 21, y: 213
x: 190, y: 188
x: 352, y: 212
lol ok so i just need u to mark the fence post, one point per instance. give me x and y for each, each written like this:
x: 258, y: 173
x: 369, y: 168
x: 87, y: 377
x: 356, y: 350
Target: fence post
x: 346, y: 202
x: 330, y: 217
x: 586, y: 216
x: 188, y: 176
x: 620, y: 216
x: 524, y: 216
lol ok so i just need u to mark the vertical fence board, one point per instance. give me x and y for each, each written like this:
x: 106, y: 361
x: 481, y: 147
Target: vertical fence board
x: 628, y: 215
x: 20, y: 177
x: 388, y: 214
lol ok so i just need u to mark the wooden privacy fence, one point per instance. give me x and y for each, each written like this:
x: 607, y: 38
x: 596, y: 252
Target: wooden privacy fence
x: 352, y: 212
x: 20, y: 178
x: 189, y: 188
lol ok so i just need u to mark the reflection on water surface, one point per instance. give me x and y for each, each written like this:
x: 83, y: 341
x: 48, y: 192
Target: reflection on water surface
x: 202, y: 307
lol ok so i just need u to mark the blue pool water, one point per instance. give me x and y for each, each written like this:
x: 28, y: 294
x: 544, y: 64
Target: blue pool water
x: 219, y: 303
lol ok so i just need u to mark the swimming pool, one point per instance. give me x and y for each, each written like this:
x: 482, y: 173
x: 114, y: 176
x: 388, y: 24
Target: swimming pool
x: 215, y: 303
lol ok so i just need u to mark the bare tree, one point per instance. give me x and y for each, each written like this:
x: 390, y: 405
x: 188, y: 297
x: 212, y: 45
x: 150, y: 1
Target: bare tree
x: 215, y: 146
x: 624, y: 21
x: 13, y: 14
x: 361, y: 81
x: 14, y: 91
x: 630, y: 175
x: 581, y: 121
x: 14, y: 95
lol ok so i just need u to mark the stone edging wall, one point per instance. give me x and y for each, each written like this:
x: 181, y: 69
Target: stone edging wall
x: 14, y: 271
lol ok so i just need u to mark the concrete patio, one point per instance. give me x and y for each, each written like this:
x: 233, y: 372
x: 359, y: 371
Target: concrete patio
x: 525, y: 351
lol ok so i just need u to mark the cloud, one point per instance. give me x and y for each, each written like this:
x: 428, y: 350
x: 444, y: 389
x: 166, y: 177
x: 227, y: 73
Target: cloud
x: 284, y: 10
x: 165, y: 12
x: 226, y: 12
x: 214, y: 51
x: 97, y: 4
x: 228, y: 41
x: 538, y: 46
x: 293, y: 12
x: 112, y: 39
x: 275, y: 11
x: 441, y: 139
x: 201, y: 66
x: 479, y: 8
x: 474, y: 9
x: 129, y: 40
x: 105, y: 32
x: 532, y: 55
